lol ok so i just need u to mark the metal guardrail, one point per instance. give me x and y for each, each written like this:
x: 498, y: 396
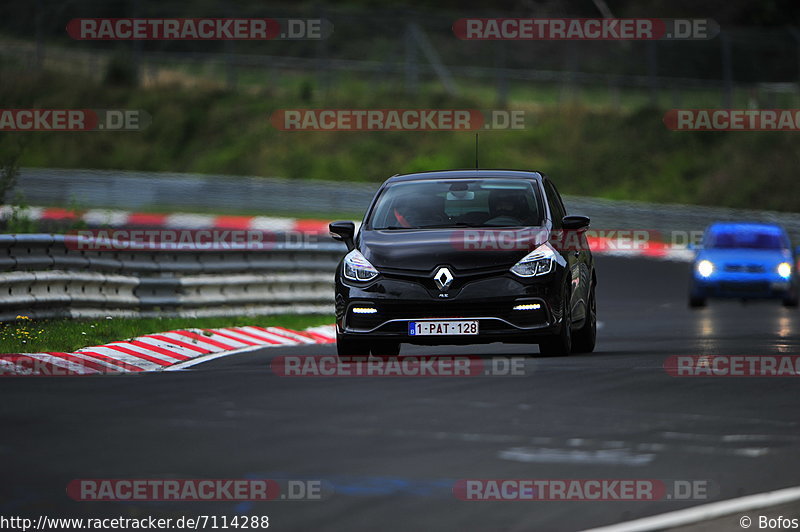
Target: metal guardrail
x: 133, y: 190
x: 667, y: 218
x: 41, y: 276
x: 115, y: 189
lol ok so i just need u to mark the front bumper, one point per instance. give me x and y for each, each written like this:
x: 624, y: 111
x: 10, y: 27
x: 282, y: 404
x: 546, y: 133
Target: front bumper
x: 743, y: 286
x: 490, y: 300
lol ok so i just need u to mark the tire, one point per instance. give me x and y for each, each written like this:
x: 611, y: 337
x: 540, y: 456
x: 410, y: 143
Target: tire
x: 559, y: 344
x: 385, y: 349
x: 351, y: 349
x: 697, y: 302
x: 790, y: 301
x: 584, y: 339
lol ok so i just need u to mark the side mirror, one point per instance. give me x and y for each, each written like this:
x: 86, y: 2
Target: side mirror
x: 343, y: 231
x: 575, y: 222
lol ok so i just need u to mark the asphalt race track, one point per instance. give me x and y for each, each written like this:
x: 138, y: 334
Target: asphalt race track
x: 392, y: 448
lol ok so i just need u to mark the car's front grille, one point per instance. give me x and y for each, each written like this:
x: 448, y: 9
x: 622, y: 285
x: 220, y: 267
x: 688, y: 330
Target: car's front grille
x: 461, y: 278
x: 746, y: 268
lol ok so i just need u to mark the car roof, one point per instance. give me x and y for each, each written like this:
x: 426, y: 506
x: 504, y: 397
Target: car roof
x: 467, y: 174
x: 745, y: 226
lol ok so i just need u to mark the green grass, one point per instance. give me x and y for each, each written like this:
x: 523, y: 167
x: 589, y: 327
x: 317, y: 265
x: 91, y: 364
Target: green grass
x: 586, y: 143
x: 29, y: 336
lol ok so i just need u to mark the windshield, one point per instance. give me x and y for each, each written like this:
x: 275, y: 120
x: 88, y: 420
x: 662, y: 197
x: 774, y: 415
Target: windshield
x: 746, y: 239
x: 457, y: 203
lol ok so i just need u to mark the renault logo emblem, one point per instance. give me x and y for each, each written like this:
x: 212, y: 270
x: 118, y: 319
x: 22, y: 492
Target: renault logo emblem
x: 443, y: 278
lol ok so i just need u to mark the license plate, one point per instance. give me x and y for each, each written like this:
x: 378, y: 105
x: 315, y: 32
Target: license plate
x: 441, y: 328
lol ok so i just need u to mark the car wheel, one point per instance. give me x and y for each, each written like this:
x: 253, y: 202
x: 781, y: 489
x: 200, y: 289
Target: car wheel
x: 559, y: 344
x: 790, y: 301
x: 385, y: 349
x: 351, y: 349
x: 697, y: 302
x: 584, y: 339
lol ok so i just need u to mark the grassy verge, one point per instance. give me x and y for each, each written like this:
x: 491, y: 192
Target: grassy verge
x: 626, y: 153
x: 28, y: 336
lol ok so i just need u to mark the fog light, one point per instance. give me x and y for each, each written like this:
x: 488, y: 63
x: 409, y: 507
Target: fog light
x: 364, y: 310
x: 785, y: 270
x: 528, y: 306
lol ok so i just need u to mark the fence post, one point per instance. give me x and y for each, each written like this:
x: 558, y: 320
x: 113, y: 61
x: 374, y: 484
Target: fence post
x: 323, y: 66
x: 421, y: 40
x: 39, y: 35
x: 411, y: 65
x: 567, y: 75
x: 652, y: 70
x: 230, y: 57
x: 796, y: 34
x: 502, y: 75
x: 613, y: 93
x: 137, y: 45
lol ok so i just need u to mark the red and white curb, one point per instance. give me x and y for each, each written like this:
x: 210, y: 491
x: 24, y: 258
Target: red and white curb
x: 119, y: 218
x: 161, y: 351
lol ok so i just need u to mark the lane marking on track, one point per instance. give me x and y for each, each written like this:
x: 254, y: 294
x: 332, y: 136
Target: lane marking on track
x: 548, y: 449
x: 705, y: 512
x: 575, y: 456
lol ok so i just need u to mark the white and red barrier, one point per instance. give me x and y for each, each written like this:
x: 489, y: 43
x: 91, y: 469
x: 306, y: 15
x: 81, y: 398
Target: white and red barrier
x: 651, y: 247
x: 119, y: 218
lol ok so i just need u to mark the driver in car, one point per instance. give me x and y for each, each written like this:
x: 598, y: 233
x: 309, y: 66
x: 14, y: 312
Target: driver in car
x: 507, y: 207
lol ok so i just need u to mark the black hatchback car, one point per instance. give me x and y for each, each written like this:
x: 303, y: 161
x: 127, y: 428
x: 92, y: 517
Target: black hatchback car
x: 464, y: 257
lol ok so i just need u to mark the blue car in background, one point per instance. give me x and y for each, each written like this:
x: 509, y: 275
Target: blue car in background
x: 744, y: 261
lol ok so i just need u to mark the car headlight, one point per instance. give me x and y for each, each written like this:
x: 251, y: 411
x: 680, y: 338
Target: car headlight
x: 540, y: 261
x: 357, y: 268
x: 785, y: 270
x: 705, y: 268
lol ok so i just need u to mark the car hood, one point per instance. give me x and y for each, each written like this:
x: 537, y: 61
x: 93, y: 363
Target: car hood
x: 763, y: 257
x: 463, y: 249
